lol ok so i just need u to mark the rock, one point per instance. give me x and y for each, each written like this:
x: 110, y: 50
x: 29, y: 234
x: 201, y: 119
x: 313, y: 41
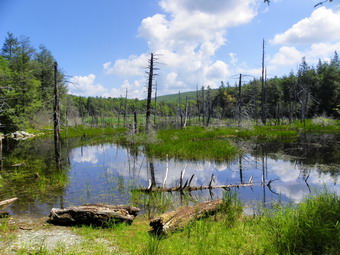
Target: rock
x: 93, y: 214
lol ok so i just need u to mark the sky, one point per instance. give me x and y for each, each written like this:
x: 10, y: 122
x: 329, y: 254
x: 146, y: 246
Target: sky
x: 103, y: 46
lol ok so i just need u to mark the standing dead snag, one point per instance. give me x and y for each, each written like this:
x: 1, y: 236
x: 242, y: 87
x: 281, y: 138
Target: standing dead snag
x: 178, y: 219
x: 151, y: 74
x: 93, y: 214
x: 56, y: 118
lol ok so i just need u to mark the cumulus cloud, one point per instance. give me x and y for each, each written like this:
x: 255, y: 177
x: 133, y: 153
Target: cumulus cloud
x: 86, y: 86
x: 133, y: 66
x: 135, y: 88
x: 291, y: 56
x: 187, y: 36
x: 322, y: 25
x: 318, y: 34
x: 287, y: 56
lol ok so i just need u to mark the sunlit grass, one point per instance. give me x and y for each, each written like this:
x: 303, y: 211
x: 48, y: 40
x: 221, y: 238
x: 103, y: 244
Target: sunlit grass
x: 311, y: 227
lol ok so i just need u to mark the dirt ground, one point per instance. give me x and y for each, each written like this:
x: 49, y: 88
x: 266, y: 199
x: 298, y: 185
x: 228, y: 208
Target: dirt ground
x: 34, y: 234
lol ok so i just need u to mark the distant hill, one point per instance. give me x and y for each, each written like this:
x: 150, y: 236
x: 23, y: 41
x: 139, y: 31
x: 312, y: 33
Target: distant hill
x: 173, y: 98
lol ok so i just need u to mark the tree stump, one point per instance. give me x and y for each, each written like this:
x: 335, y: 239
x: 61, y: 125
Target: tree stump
x: 93, y: 214
x: 178, y: 219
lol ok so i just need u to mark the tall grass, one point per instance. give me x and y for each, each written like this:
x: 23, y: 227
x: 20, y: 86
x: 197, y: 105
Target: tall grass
x: 311, y: 228
x: 193, y: 143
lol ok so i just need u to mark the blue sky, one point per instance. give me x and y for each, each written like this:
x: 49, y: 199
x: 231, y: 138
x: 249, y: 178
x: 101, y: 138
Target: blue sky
x: 104, y: 45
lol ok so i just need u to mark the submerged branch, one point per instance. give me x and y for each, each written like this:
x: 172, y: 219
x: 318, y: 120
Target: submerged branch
x: 194, y: 188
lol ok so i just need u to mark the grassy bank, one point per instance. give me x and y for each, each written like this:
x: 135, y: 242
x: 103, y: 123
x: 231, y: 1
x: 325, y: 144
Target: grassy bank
x: 311, y: 227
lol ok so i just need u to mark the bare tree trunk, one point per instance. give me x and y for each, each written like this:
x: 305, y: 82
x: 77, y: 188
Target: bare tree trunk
x: 179, y: 107
x: 203, y: 106
x: 186, y: 112
x: 135, y: 122
x: 263, y: 98
x: 56, y: 118
x: 239, y: 103
x: 148, y: 102
x: 125, y: 107
x: 198, y: 104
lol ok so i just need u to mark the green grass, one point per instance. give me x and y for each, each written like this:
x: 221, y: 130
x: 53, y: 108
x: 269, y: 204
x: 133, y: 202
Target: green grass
x: 192, y: 143
x: 199, y: 143
x: 311, y: 227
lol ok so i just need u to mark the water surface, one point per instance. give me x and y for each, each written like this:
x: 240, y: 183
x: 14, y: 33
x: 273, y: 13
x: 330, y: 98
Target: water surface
x: 107, y: 173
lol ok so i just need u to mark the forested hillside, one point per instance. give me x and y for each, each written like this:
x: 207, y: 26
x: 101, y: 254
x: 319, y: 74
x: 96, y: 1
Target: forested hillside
x: 27, y: 80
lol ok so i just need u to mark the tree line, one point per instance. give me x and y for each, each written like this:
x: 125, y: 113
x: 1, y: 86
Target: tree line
x: 26, y: 82
x: 27, y: 79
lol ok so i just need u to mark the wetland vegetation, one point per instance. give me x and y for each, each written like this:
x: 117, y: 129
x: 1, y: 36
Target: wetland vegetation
x: 279, y: 140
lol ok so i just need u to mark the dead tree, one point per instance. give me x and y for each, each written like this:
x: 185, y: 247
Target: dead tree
x: 93, y: 214
x: 125, y: 107
x: 186, y: 113
x: 178, y: 219
x: 56, y: 118
x: 151, y: 74
x: 263, y: 95
x: 203, y: 105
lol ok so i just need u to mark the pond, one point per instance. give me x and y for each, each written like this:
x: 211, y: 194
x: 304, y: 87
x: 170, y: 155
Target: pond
x: 107, y: 173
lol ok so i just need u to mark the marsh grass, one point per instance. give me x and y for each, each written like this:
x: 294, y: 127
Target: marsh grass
x: 30, y: 180
x: 192, y: 143
x: 153, y: 203
x: 199, y: 143
x: 317, y: 125
x: 313, y: 227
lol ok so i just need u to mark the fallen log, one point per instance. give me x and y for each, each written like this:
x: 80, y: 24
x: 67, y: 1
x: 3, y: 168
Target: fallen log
x: 93, y: 214
x: 7, y: 201
x: 194, y: 188
x: 178, y: 219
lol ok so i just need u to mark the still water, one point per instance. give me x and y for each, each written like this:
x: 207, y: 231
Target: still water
x: 107, y: 173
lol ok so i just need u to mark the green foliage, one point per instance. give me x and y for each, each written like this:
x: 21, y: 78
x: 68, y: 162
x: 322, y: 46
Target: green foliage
x: 311, y: 228
x: 26, y: 83
x: 192, y: 143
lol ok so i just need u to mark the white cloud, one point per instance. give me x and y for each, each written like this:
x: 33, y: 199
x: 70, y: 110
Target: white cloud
x: 322, y: 25
x: 86, y: 86
x: 291, y: 56
x: 135, y: 89
x: 187, y: 36
x: 133, y: 66
x: 217, y: 71
x: 287, y: 56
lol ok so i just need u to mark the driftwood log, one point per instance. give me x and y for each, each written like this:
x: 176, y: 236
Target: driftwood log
x: 7, y: 202
x: 178, y: 219
x: 93, y: 214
